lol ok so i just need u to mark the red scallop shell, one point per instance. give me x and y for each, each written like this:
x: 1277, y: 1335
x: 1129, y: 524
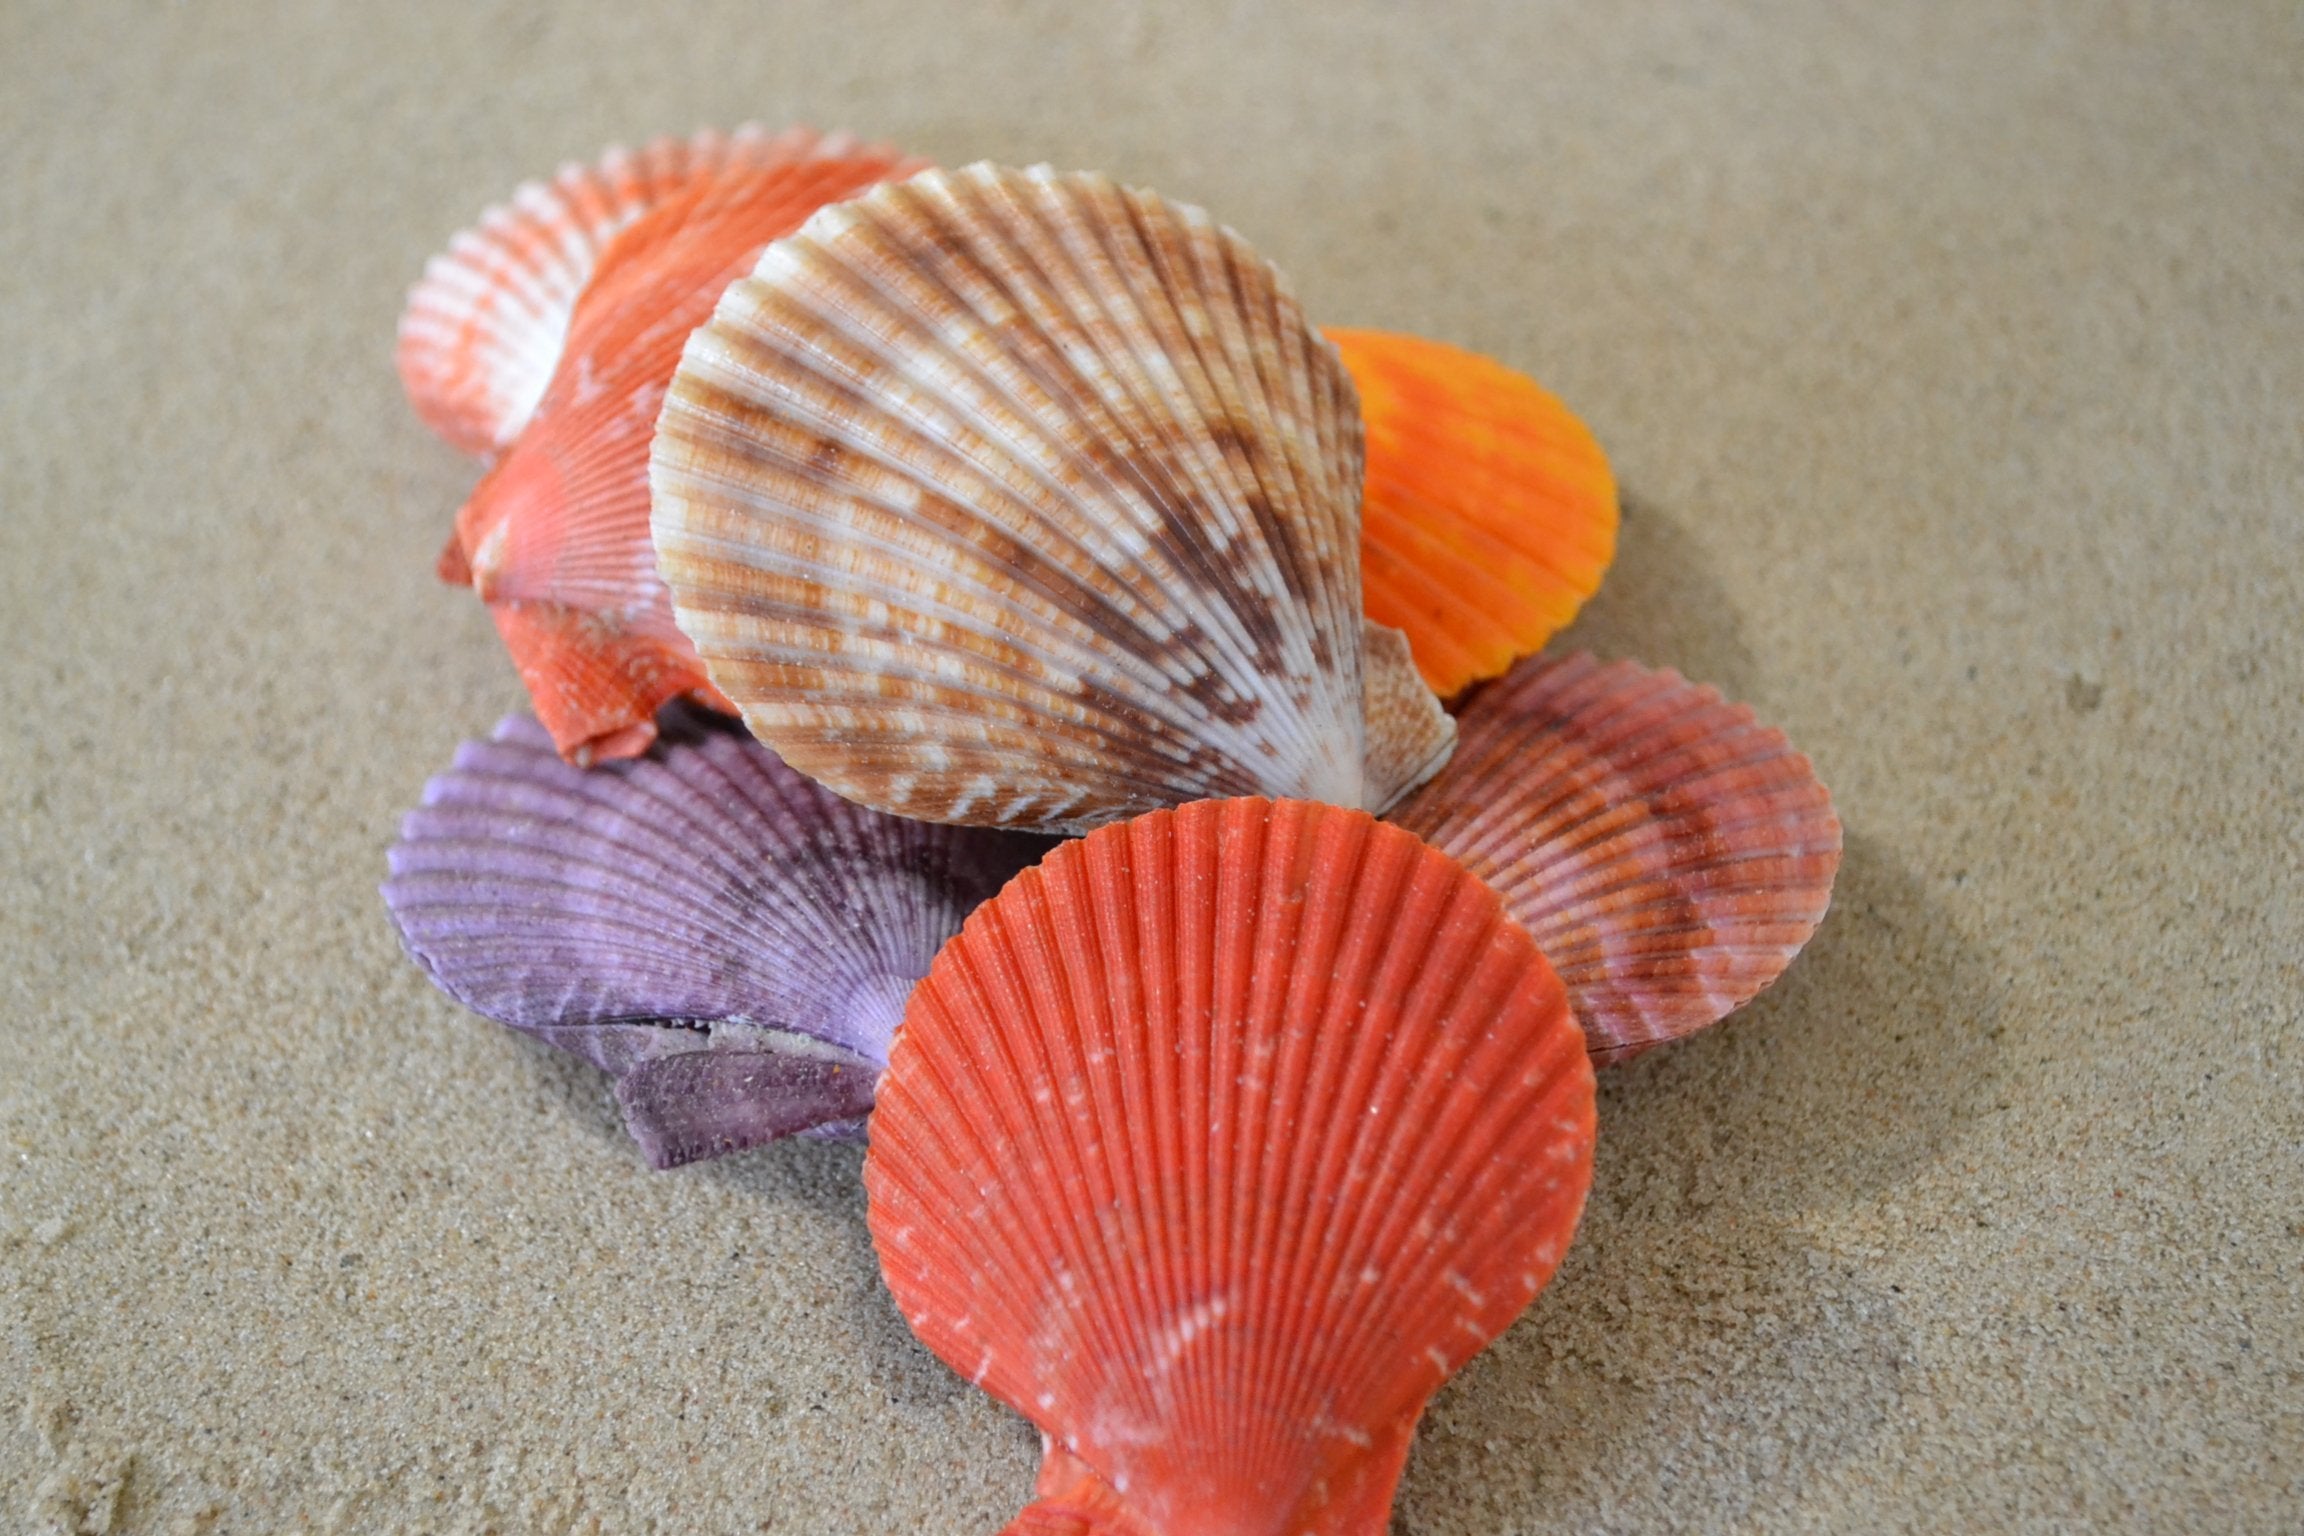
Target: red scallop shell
x: 484, y: 328
x: 555, y: 538
x: 1669, y: 853
x: 1215, y: 1145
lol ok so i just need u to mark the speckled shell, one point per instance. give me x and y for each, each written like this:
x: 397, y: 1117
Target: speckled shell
x: 555, y: 538
x: 1490, y: 513
x: 734, y: 943
x: 483, y: 330
x: 1669, y: 854
x: 1214, y: 1145
x: 1021, y: 498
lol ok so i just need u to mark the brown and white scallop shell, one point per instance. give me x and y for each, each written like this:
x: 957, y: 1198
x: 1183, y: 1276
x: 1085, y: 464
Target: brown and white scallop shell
x: 1023, y: 498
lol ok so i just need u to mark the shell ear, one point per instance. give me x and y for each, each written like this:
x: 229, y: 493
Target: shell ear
x: 731, y: 942
x: 700, y: 1104
x: 1409, y: 734
x: 1669, y: 853
x: 1490, y: 513
x: 1018, y: 498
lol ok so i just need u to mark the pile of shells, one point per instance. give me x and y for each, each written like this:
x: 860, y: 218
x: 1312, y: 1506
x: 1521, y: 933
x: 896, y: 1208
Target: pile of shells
x: 1008, y: 506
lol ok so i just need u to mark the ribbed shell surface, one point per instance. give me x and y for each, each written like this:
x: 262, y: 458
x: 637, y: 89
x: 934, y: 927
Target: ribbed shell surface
x: 1218, y: 1142
x: 1490, y: 513
x: 1021, y: 498
x: 483, y: 330
x: 556, y: 537
x: 1669, y: 853
x: 703, y: 900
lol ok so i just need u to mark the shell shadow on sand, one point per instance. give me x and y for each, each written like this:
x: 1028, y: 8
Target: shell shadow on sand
x: 1700, y: 1351
x: 1661, y: 606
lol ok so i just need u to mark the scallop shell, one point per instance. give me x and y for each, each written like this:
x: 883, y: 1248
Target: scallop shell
x: 732, y: 942
x: 1020, y: 498
x: 483, y: 330
x: 555, y: 538
x: 1215, y: 1145
x: 1490, y: 513
x: 1669, y: 854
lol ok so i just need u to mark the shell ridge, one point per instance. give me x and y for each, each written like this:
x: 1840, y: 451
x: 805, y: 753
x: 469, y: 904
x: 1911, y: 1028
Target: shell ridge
x: 969, y: 274
x: 1155, y: 701
x: 980, y: 981
x: 1272, y: 518
x: 1333, y: 582
x: 1321, y: 1124
x: 1103, y: 1254
x: 1469, y: 1155
x: 549, y: 236
x: 1151, y: 332
x: 547, y: 898
x: 1069, y: 1239
x: 1400, y: 980
x: 1130, y: 403
x: 1657, y: 817
x: 1130, y: 615
x: 1100, y: 982
x: 1475, y: 475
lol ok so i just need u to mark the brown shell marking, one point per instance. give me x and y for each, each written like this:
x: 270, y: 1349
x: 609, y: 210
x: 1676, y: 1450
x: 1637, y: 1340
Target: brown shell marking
x: 1214, y: 1145
x: 1022, y: 498
x: 1668, y: 852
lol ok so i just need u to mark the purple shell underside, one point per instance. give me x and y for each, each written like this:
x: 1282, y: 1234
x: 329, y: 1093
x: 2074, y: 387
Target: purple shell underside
x: 732, y: 942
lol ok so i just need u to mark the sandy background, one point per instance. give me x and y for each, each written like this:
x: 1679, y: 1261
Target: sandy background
x: 1952, y: 358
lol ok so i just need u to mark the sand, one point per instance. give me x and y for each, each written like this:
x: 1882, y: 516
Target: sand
x: 1951, y: 357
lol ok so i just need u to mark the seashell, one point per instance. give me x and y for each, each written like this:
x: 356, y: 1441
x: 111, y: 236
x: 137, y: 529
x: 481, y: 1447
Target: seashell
x: 1216, y: 1144
x: 1668, y: 853
x: 733, y: 943
x: 555, y: 538
x: 1020, y: 498
x: 483, y: 330
x: 1490, y: 513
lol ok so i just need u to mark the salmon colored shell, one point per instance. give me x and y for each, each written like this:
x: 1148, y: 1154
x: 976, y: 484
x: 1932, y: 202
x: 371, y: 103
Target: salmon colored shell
x: 1490, y: 513
x: 1217, y: 1143
x: 1669, y: 853
x: 484, y: 328
x: 555, y: 538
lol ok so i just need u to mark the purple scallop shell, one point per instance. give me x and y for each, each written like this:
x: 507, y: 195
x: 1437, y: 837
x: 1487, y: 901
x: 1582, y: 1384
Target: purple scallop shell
x: 732, y: 942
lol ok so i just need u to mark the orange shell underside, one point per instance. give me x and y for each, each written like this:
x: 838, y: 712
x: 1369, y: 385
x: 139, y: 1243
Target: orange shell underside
x: 1490, y: 513
x: 1214, y: 1145
x: 555, y: 538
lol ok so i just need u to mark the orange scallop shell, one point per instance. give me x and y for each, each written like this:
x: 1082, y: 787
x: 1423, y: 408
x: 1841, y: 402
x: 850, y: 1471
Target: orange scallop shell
x: 555, y: 537
x: 1668, y: 852
x: 1215, y: 1145
x: 1490, y: 512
